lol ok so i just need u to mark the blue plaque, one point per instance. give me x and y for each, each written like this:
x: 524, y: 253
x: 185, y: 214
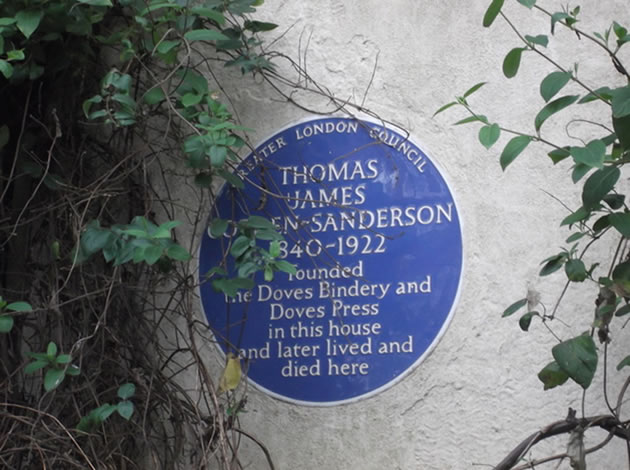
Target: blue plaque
x: 374, y: 232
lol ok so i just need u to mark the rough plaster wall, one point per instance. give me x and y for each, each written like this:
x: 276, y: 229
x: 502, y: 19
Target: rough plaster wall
x: 477, y: 394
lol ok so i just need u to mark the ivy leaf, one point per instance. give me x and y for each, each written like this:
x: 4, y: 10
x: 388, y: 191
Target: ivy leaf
x: 489, y: 134
x: 553, y: 83
x: 552, y: 108
x: 598, y: 185
x: 513, y: 149
x: 285, y: 266
x: 491, y: 13
x: 27, y: 21
x: 578, y: 358
x: 512, y: 62
x: 592, y: 155
x: 552, y: 375
x: 240, y: 246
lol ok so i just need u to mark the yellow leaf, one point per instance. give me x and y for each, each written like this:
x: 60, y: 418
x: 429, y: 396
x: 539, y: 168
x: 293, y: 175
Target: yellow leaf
x: 231, y: 374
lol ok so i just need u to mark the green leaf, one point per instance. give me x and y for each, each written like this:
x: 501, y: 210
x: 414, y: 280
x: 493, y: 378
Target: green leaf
x: 540, y: 40
x: 27, y: 21
x: 623, y: 311
x: 205, y: 35
x: 285, y: 266
x: 473, y: 89
x: 552, y: 108
x: 592, y: 155
x: 512, y: 62
x: 552, y: 375
x: 445, y: 107
x: 558, y: 155
x: 218, y: 154
x: 526, y: 320
x: 274, y: 249
x: 578, y: 358
x: 154, y: 96
x: 217, y: 228
x: 598, y: 185
x: 231, y: 178
x: 268, y: 274
x: 259, y: 26
x: 513, y: 149
x: 577, y: 216
x: 97, y: 3
x: 469, y: 119
x: 514, y: 307
x: 152, y: 254
x: 621, y: 221
x: 34, y: 366
x: 489, y: 134
x: 491, y: 13
x: 601, y: 224
x: 579, y: 171
x: 63, y: 359
x: 553, y: 83
x: 552, y: 264
x: 178, y: 253
x: 125, y: 409
x: 257, y: 222
x: 621, y: 102
x: 6, y: 69
x: 603, y: 92
x: 575, y: 237
x: 6, y: 323
x: 53, y: 378
x: 15, y: 54
x: 528, y: 3
x: 51, y: 350
x: 210, y: 14
x: 622, y: 130
x: 575, y: 270
x: 19, y: 307
x: 73, y: 370
x: 625, y: 362
x: 614, y: 201
x: 240, y: 246
x: 191, y: 99
x: 126, y: 391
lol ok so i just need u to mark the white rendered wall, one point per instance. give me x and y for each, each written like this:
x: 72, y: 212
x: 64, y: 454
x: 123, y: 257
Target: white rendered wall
x: 476, y: 396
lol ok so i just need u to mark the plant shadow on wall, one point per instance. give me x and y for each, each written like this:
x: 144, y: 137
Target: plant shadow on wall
x: 106, y: 108
x: 600, y: 216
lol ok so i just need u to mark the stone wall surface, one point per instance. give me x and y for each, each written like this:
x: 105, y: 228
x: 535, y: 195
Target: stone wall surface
x: 477, y: 394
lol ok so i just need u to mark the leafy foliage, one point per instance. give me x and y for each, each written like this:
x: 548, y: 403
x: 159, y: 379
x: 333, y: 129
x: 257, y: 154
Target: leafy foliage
x: 597, y: 165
